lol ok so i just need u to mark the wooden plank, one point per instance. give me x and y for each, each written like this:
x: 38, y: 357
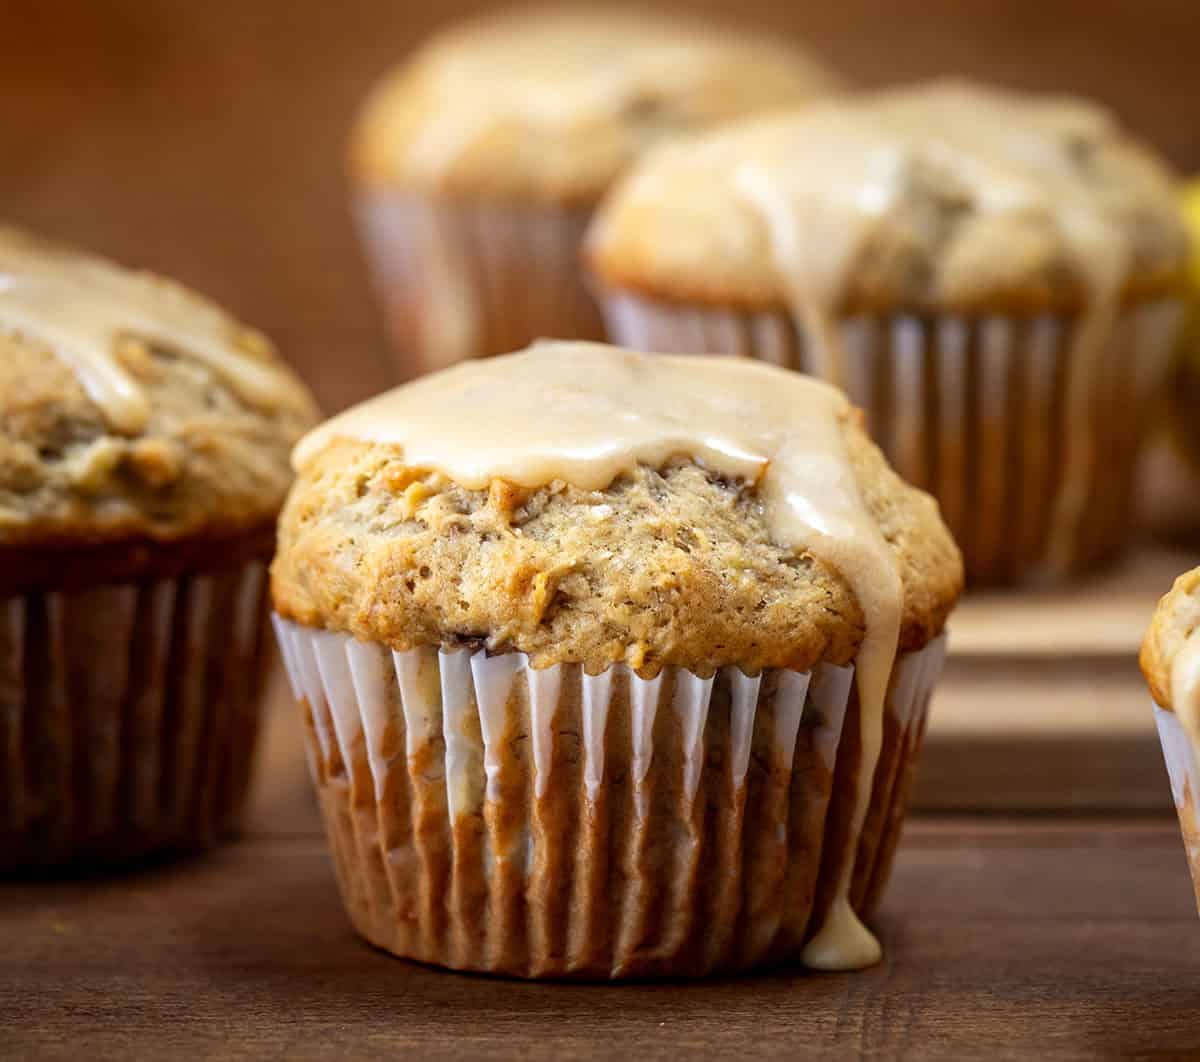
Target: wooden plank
x: 1003, y: 939
x: 1012, y: 734
x: 1105, y: 615
x: 1042, y: 704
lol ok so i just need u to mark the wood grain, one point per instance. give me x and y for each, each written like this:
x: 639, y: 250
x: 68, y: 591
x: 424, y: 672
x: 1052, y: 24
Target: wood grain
x: 1003, y: 940
x: 1042, y: 704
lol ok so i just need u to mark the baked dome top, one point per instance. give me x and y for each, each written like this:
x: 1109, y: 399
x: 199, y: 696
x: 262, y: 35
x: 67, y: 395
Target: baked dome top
x: 585, y: 504
x: 132, y: 407
x: 552, y: 103
x: 946, y: 195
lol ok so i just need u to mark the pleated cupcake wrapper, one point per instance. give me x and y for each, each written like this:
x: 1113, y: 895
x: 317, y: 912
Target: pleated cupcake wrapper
x: 1183, y: 767
x: 488, y: 816
x: 459, y: 280
x: 972, y: 409
x: 128, y: 716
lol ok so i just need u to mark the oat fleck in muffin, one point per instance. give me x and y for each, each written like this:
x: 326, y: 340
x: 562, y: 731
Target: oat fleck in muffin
x: 144, y: 438
x: 1171, y: 663
x: 478, y: 160
x: 995, y: 278
x: 575, y: 630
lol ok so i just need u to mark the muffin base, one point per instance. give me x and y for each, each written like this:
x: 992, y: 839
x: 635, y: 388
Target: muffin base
x: 459, y: 280
x: 487, y: 816
x: 128, y: 714
x: 1183, y: 768
x: 972, y: 409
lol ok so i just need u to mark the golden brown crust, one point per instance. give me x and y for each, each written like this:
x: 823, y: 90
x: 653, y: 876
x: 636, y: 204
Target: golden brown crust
x: 721, y: 292
x: 550, y: 104
x: 670, y: 566
x: 205, y: 463
x: 688, y: 224
x: 1177, y: 616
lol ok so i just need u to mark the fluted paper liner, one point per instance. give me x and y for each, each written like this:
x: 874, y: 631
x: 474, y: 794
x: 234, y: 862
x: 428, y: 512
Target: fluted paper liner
x: 488, y: 816
x: 1183, y: 767
x: 128, y: 716
x: 458, y: 279
x: 972, y: 409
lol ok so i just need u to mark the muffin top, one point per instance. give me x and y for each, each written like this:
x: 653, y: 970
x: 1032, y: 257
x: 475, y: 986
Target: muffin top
x: 585, y: 504
x: 944, y: 196
x: 1170, y: 655
x: 550, y: 104
x: 131, y: 407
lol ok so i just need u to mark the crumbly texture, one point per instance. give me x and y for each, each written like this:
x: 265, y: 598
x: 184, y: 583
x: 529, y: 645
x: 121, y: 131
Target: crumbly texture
x: 1177, y: 616
x: 551, y: 104
x: 205, y: 462
x: 669, y: 566
x: 920, y: 217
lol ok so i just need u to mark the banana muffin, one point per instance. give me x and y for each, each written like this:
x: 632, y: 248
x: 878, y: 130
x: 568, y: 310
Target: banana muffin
x: 144, y: 440
x: 1171, y: 663
x: 477, y: 162
x: 995, y: 278
x: 614, y: 665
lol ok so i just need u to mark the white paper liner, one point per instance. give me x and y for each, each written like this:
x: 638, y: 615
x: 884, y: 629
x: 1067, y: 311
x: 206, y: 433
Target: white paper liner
x: 128, y: 716
x: 971, y: 409
x: 458, y: 279
x: 1183, y: 768
x: 488, y: 816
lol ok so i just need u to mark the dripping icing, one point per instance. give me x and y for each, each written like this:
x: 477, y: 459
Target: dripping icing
x: 81, y: 307
x: 584, y: 413
x: 824, y: 182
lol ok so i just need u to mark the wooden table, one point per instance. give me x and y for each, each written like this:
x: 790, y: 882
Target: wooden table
x: 1042, y: 704
x: 1064, y: 937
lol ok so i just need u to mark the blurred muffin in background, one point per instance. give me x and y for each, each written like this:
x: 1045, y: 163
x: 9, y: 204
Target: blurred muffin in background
x: 144, y: 439
x: 615, y: 664
x: 476, y: 164
x: 1170, y: 660
x: 996, y: 278
x: 1170, y: 477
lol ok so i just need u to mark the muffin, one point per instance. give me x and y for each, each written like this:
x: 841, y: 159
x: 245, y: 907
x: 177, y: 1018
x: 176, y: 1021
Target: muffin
x: 1171, y: 663
x: 144, y: 440
x: 477, y: 163
x: 1171, y: 468
x: 995, y: 278
x: 613, y: 665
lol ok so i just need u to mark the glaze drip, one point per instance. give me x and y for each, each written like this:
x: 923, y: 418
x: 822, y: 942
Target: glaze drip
x: 961, y: 192
x: 81, y: 307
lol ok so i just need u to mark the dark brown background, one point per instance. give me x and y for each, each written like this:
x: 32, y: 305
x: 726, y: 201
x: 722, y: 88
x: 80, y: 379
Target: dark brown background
x: 205, y: 139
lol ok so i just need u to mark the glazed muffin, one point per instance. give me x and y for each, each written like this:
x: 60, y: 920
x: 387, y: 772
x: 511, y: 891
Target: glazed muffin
x: 144, y: 439
x: 994, y: 278
x: 1171, y: 663
x: 477, y: 162
x: 614, y: 665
